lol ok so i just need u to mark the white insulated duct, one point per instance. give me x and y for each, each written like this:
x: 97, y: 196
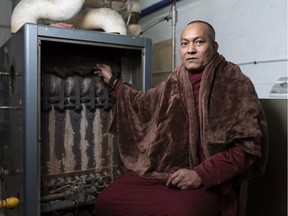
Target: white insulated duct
x: 30, y: 11
x: 106, y: 19
x: 91, y: 18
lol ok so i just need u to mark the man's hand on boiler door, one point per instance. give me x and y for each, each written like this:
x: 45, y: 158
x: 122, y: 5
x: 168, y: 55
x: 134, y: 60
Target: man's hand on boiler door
x: 104, y: 71
x: 184, y: 179
x: 62, y: 25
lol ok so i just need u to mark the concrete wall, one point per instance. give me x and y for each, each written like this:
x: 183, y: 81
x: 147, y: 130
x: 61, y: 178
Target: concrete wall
x: 246, y: 30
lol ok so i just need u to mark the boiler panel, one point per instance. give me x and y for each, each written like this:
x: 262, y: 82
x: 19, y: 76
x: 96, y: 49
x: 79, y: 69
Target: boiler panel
x: 57, y: 153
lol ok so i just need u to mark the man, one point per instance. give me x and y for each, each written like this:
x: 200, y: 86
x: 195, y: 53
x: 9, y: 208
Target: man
x: 190, y: 141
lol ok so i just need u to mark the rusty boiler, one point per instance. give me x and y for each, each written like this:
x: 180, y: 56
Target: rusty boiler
x: 56, y: 152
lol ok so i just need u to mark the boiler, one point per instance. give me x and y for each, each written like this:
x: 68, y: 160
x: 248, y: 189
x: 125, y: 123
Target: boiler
x: 56, y: 152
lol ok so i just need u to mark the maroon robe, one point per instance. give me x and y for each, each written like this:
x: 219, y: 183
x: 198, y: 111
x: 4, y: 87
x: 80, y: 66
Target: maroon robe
x: 134, y: 195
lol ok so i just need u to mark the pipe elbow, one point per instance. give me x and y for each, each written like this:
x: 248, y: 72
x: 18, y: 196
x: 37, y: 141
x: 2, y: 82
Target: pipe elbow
x: 105, y: 19
x: 30, y: 11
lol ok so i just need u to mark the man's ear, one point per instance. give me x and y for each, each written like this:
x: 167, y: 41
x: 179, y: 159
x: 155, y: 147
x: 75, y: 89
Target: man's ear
x: 215, y: 46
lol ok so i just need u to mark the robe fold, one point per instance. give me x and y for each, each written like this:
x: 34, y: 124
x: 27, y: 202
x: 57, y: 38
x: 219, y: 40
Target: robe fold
x: 157, y: 131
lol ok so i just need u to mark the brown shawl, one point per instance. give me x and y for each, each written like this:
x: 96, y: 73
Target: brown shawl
x: 157, y: 131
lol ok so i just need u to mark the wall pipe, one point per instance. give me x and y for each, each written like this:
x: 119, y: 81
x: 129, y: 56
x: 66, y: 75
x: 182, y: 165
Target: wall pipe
x: 157, y: 6
x: 174, y: 21
x: 262, y: 61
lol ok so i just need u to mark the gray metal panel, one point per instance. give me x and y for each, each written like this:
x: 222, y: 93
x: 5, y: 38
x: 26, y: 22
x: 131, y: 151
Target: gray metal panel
x: 31, y: 113
x: 23, y: 176
x: 93, y: 36
x: 13, y: 93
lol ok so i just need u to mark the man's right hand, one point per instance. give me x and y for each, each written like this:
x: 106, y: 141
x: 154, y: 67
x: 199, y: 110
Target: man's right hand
x: 104, y: 71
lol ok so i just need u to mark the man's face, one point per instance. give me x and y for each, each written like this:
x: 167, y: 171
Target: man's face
x: 196, y: 48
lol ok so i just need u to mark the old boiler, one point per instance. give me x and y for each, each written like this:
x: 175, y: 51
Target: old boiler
x: 56, y: 152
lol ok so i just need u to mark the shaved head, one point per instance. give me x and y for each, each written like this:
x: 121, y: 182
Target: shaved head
x: 211, y: 30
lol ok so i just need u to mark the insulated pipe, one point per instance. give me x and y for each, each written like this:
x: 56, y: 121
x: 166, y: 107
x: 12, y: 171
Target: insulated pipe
x: 132, y: 7
x: 134, y: 14
x: 30, y: 11
x: 106, y: 19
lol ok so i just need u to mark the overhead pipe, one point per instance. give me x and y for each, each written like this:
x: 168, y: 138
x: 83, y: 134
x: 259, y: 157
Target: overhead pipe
x: 157, y: 6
